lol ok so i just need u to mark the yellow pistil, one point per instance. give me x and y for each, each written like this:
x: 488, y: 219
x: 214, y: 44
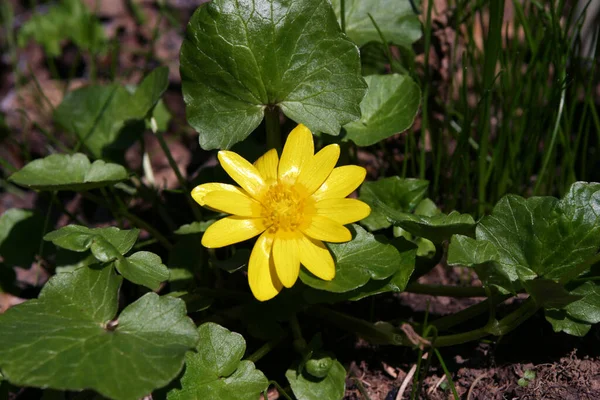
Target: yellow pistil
x: 294, y: 203
x: 282, y: 208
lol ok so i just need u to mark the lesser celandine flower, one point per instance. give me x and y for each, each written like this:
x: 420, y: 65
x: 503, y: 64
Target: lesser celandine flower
x: 294, y: 204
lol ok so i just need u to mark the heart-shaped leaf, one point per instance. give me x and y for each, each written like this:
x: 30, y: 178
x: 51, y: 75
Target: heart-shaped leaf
x: 68, y: 172
x: 20, y: 236
x: 307, y: 387
x: 143, y: 268
x: 239, y: 57
x: 396, y: 19
x: 364, y: 257
x: 68, y: 339
x: 395, y: 192
x: 107, y: 244
x: 437, y: 228
x: 389, y: 107
x: 544, y: 236
x: 215, y: 371
x: 107, y: 119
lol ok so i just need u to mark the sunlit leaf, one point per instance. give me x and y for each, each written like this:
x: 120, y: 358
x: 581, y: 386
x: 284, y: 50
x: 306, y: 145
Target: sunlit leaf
x: 215, y: 372
x: 395, y: 192
x: 68, y: 172
x: 239, y: 57
x: 394, y: 283
x: 106, y: 244
x: 389, y: 107
x: 143, y: 268
x: 397, y: 20
x: 68, y: 338
x: 543, y: 235
x: 437, y: 228
x: 364, y: 257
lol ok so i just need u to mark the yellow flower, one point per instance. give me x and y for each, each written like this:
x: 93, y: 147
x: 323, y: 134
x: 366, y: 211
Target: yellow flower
x: 294, y: 204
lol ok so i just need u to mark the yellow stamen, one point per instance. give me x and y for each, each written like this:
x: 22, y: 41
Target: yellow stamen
x: 283, y: 208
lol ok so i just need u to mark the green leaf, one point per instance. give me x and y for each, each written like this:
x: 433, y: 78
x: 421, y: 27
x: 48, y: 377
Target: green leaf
x: 68, y: 172
x: 65, y: 339
x: 562, y: 322
x: 587, y: 309
x: 544, y: 236
x: 70, y: 19
x: 549, y: 293
x: 307, y: 387
x: 389, y: 107
x: 194, y: 227
x: 20, y: 236
x: 482, y: 256
x: 107, y: 119
x: 239, y: 57
x: 143, y: 268
x: 215, y: 371
x: 437, y: 228
x: 397, y: 20
x: 395, y: 192
x: 106, y: 244
x: 364, y: 257
x: 395, y: 283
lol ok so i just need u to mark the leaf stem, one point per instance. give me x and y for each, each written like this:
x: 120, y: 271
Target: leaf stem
x: 273, y: 127
x: 449, y: 291
x: 264, y: 349
x: 175, y: 168
x: 384, y: 335
x: 134, y: 219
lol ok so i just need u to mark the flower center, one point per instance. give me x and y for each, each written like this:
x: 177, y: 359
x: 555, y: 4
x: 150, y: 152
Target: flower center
x: 283, y: 208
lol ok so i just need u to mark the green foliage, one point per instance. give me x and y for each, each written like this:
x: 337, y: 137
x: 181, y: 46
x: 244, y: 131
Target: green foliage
x: 395, y: 192
x: 20, y: 236
x: 68, y: 172
x: 307, y: 387
x: 69, y: 337
x: 389, y: 107
x: 397, y: 21
x: 437, y: 228
x: 237, y: 59
x: 363, y: 258
x: 241, y: 61
x: 110, y: 244
x: 106, y: 244
x: 215, y: 371
x: 107, y: 119
x: 69, y: 19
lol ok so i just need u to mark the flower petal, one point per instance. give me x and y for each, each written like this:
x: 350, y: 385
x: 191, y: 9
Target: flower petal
x: 316, y: 258
x: 262, y: 276
x: 233, y: 203
x: 323, y: 228
x: 244, y: 173
x: 231, y: 230
x: 298, y: 149
x: 287, y: 258
x: 200, y: 191
x: 267, y: 165
x: 344, y: 211
x: 316, y: 171
x: 341, y: 182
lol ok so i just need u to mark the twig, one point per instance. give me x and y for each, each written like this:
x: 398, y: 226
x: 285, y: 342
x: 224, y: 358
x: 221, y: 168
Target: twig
x: 406, y: 381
